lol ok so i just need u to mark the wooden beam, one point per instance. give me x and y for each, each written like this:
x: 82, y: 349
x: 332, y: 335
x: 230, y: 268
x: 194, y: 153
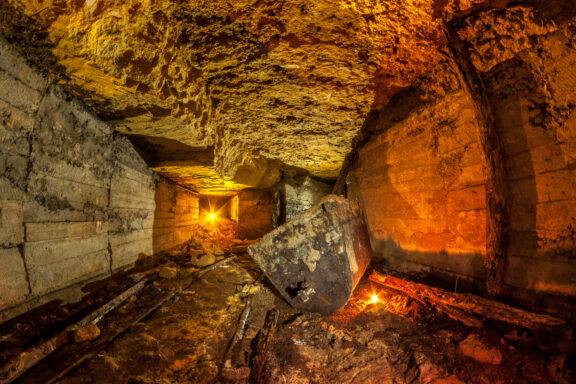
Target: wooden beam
x: 497, y: 220
x: 112, y: 337
x: 32, y: 356
x: 267, y: 339
x: 470, y: 304
x: 238, y: 335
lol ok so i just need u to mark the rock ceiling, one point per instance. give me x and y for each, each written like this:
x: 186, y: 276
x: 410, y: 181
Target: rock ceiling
x: 227, y: 94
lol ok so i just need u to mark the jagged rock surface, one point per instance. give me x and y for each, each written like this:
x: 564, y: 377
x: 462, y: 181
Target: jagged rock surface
x: 264, y: 84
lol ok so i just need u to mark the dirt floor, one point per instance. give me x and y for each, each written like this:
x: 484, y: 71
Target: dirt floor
x: 375, y: 339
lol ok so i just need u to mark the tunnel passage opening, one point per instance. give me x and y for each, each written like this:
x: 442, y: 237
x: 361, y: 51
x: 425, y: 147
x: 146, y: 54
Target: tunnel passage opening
x: 217, y: 207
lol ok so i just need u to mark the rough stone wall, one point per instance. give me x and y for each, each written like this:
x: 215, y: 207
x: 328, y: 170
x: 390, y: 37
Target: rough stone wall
x: 267, y: 84
x: 301, y: 193
x: 176, y: 216
x: 422, y: 188
x: 421, y: 177
x: 76, y: 201
x: 296, y: 193
x: 255, y: 213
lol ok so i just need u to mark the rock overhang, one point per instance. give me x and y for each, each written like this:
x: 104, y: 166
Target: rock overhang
x: 262, y: 85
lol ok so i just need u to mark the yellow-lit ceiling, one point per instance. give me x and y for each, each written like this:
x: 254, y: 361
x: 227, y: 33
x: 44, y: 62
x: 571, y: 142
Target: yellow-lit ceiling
x: 261, y: 85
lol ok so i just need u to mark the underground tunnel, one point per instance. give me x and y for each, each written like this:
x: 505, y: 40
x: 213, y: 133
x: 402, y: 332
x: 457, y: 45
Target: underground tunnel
x: 335, y: 191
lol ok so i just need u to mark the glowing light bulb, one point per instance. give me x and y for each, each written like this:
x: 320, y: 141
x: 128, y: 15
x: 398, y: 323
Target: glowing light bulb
x: 374, y: 298
x: 212, y: 216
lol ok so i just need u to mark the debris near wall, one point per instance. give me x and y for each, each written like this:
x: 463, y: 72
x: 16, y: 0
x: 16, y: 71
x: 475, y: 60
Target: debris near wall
x: 186, y: 339
x: 316, y: 260
x: 462, y: 307
x: 29, y: 358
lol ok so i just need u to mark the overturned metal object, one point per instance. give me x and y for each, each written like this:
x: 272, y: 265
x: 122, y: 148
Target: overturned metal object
x: 316, y: 260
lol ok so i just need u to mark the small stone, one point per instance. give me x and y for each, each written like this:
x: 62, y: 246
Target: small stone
x: 168, y: 273
x: 204, y: 260
x: 476, y: 349
x: 88, y: 332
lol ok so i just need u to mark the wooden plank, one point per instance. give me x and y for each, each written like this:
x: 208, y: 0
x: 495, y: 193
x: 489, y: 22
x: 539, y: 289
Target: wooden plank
x: 29, y: 358
x: 467, y: 302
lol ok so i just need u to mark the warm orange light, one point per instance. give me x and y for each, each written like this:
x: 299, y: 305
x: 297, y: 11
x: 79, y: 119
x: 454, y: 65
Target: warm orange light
x: 212, y: 216
x: 374, y: 298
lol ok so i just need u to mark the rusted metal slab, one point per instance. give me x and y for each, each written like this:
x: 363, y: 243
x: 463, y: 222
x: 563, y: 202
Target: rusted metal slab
x: 316, y: 260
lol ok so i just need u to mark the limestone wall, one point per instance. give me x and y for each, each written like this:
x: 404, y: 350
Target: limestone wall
x: 255, y: 213
x: 176, y: 216
x: 422, y: 187
x: 77, y: 202
x: 421, y: 178
x: 301, y: 193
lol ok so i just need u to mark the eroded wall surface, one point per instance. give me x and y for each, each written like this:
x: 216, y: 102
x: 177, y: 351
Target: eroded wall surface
x: 421, y: 177
x: 176, y: 216
x: 267, y: 85
x: 301, y: 193
x: 77, y: 202
x: 255, y: 213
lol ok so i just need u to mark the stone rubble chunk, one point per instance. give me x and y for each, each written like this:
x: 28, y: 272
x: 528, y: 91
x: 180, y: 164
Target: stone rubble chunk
x: 168, y: 273
x: 476, y: 349
x: 203, y: 260
x: 88, y: 332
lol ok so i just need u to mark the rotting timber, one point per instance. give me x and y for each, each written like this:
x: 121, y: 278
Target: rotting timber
x: 316, y: 260
x: 446, y: 302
